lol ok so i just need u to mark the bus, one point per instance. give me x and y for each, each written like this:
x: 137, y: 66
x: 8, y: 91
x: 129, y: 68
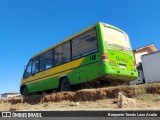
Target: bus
x: 99, y: 52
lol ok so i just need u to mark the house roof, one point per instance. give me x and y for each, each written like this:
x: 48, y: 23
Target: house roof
x: 152, y: 47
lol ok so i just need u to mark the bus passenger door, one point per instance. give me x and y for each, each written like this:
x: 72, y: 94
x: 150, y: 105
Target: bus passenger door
x: 37, y: 84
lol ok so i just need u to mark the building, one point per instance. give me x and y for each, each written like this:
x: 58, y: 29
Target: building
x: 8, y: 95
x: 144, y: 50
x: 148, y: 49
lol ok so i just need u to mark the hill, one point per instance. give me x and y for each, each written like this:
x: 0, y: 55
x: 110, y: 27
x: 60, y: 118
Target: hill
x: 147, y: 96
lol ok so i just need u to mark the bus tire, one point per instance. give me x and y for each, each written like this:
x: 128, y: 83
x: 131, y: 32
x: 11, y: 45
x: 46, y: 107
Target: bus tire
x: 24, y: 91
x: 65, y: 84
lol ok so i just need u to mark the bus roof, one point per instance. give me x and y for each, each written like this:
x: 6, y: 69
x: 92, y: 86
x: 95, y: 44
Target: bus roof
x: 69, y: 38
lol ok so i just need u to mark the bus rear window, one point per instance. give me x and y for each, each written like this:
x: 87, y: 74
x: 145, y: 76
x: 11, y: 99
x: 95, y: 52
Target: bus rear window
x: 116, y: 38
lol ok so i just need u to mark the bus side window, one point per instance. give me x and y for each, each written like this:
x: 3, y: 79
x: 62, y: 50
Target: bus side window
x: 89, y: 42
x: 49, y: 61
x: 42, y: 64
x: 62, y: 54
x: 28, y: 70
x: 35, y: 66
x: 46, y: 60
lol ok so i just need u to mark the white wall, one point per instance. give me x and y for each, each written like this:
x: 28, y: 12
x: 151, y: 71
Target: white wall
x: 138, y: 56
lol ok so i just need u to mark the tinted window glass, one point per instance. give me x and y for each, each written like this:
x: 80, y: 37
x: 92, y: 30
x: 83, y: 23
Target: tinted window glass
x: 46, y: 60
x: 28, y: 70
x: 84, y: 44
x: 35, y: 65
x: 62, y: 54
x: 49, y: 61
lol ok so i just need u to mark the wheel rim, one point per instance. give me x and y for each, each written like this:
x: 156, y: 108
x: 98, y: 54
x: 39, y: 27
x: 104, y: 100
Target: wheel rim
x: 65, y: 86
x: 25, y: 91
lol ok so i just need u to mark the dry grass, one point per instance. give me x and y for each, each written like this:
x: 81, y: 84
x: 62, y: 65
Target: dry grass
x: 147, y: 97
x: 148, y: 101
x: 144, y: 101
x: 100, y: 104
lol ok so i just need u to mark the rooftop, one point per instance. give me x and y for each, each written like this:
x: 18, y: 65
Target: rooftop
x: 150, y: 46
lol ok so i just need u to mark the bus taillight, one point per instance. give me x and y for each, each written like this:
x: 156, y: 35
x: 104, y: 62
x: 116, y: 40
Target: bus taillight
x: 105, y: 57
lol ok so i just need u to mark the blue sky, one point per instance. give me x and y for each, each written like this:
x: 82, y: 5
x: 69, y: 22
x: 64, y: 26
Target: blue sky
x: 30, y: 26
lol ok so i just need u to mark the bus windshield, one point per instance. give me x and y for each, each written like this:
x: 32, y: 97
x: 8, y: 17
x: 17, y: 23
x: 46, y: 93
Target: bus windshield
x: 116, y: 38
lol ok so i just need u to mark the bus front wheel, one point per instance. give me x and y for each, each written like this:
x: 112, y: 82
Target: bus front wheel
x: 25, y: 91
x: 65, y: 85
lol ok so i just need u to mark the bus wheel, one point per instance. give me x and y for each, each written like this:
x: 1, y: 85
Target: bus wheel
x: 25, y: 91
x: 65, y: 85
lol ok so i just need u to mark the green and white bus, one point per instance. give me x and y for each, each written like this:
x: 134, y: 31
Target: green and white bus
x: 99, y: 52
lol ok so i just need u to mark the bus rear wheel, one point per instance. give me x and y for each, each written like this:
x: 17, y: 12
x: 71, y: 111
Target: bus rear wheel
x: 25, y: 91
x: 65, y: 85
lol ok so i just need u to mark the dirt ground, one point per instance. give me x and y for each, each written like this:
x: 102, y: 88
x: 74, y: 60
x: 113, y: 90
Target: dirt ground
x: 147, y: 96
